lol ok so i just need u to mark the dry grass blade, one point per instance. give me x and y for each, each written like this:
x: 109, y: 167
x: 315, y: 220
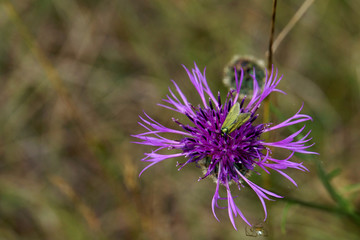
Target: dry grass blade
x: 297, y: 16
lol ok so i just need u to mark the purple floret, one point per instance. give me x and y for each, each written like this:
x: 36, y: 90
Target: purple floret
x: 228, y: 158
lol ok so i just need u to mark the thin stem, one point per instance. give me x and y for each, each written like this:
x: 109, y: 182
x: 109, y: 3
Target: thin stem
x: 272, y: 29
x: 300, y: 12
x: 269, y: 64
x: 337, y: 210
x: 312, y: 205
x: 342, y: 203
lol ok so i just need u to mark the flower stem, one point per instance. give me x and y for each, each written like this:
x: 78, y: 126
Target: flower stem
x: 272, y: 29
x: 269, y: 65
x: 342, y: 202
x: 355, y: 217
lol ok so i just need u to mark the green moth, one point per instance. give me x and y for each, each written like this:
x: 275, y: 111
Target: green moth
x: 234, y: 119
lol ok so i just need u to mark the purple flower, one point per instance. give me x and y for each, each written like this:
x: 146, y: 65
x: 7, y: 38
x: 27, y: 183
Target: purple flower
x: 230, y: 157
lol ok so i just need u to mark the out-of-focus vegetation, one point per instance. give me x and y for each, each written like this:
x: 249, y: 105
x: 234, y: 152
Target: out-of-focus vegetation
x: 75, y: 75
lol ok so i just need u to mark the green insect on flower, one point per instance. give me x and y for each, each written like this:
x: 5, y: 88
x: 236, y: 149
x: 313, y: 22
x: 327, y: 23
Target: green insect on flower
x: 234, y: 119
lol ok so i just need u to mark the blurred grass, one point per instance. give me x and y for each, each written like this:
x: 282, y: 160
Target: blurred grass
x: 75, y: 75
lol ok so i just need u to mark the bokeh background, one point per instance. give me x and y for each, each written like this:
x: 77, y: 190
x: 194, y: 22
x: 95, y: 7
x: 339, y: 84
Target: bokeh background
x: 75, y: 75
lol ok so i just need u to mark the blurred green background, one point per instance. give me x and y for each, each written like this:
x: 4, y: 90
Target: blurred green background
x: 75, y: 75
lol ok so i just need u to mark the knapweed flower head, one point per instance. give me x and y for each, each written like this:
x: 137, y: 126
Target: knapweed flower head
x: 227, y: 156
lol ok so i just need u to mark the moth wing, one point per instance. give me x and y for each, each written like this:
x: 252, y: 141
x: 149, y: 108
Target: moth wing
x: 231, y: 116
x: 240, y: 120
